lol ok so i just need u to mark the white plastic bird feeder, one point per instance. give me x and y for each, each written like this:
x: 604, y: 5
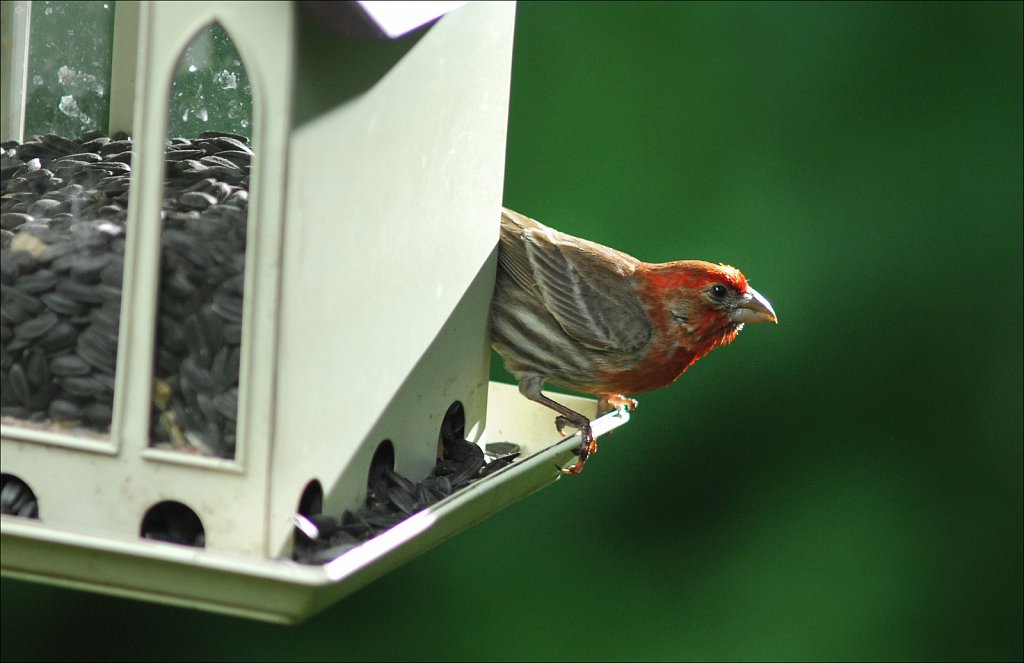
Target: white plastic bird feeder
x: 373, y: 225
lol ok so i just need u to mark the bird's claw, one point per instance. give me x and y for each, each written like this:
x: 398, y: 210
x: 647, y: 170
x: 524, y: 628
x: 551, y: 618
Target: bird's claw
x: 610, y: 402
x: 588, y: 447
x: 560, y: 424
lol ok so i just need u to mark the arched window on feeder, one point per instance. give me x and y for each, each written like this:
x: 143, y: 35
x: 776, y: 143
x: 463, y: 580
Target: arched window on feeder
x: 204, y: 217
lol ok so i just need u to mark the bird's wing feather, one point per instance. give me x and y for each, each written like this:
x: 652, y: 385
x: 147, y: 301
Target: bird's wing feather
x: 587, y: 287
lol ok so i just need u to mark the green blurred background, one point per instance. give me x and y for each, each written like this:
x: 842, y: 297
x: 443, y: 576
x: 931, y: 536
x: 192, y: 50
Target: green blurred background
x: 845, y: 485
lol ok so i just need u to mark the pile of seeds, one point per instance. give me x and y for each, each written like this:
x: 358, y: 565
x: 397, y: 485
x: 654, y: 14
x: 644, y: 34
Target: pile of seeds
x: 199, y: 324
x: 64, y: 207
x: 16, y: 498
x: 391, y: 498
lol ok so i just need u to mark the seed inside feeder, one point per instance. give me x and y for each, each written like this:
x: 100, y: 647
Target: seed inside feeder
x: 64, y: 208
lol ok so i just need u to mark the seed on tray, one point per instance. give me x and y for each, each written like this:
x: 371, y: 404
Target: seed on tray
x: 391, y: 498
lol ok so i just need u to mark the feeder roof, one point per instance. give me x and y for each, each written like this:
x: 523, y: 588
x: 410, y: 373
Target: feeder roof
x: 369, y: 18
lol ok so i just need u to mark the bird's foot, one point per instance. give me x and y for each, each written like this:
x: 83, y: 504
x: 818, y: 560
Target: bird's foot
x: 610, y: 402
x: 586, y: 448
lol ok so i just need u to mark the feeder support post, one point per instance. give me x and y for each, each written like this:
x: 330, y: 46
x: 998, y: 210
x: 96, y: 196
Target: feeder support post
x: 15, y: 21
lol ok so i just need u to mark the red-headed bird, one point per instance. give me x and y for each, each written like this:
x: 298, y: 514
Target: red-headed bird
x: 588, y: 318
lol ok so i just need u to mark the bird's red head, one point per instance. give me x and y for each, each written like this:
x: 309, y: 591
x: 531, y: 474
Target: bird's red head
x: 700, y: 305
x: 695, y: 274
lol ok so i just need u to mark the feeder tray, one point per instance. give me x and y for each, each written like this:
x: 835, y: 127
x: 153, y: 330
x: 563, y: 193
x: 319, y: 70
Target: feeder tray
x: 282, y: 590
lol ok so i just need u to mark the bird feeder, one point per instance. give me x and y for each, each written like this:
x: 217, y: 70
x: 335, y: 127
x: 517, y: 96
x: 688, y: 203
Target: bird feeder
x: 369, y: 257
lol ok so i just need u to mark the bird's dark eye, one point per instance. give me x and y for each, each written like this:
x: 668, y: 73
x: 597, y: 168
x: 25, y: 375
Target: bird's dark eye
x: 719, y: 291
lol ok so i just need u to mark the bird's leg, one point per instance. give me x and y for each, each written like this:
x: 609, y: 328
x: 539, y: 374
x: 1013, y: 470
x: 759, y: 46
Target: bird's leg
x: 530, y: 387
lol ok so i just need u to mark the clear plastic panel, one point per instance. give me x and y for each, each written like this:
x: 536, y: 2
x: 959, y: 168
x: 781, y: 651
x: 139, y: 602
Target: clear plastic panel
x: 203, y: 242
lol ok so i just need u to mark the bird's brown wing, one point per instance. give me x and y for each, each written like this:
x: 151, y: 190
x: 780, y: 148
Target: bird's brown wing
x: 587, y: 287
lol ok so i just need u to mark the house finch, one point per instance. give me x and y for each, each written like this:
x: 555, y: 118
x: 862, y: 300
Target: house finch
x: 595, y: 320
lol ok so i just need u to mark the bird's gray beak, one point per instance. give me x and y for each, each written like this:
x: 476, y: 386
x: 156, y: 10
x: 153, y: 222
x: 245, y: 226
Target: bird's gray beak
x: 753, y: 308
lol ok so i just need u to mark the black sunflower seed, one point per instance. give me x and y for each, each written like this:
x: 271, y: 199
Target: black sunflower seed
x: 237, y: 158
x: 195, y: 377
x: 197, y: 200
x: 80, y: 292
x: 14, y: 496
x: 107, y: 381
x: 95, y: 143
x: 227, y: 404
x: 397, y: 479
x: 32, y: 151
x: 99, y: 338
x: 69, y: 365
x: 214, y: 161
x: 8, y: 271
x: 110, y: 167
x: 205, y: 185
x: 193, y: 167
x: 232, y: 333
x: 46, y: 207
x: 218, y: 370
x: 97, y: 357
x: 228, y: 306
x: 14, y: 313
x: 110, y: 294
x: 402, y: 500
x: 39, y: 177
x: 206, y: 406
x: 221, y: 191
x: 113, y: 185
x: 223, y: 134
x: 177, y: 155
x: 87, y: 268
x: 84, y: 157
x: 123, y: 157
x: 85, y: 386
x: 97, y: 413
x: 61, y: 337
x: 18, y: 384
x: 114, y: 146
x: 60, y: 144
x: 64, y: 409
x: 14, y: 220
x: 58, y: 303
x: 36, y: 327
x: 109, y: 212
x: 444, y: 485
x: 36, y: 369
x: 42, y: 280
x: 106, y: 317
x: 8, y: 166
x: 230, y: 143
x: 204, y: 335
